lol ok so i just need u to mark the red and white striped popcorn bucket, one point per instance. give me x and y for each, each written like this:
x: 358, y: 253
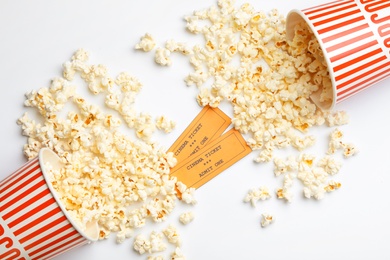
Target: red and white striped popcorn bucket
x: 33, y: 222
x: 355, y: 39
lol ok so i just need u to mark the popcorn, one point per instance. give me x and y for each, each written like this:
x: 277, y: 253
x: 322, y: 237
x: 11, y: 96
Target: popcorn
x: 185, y: 194
x: 266, y: 219
x: 314, y: 181
x: 128, y: 83
x: 177, y: 254
x: 156, y: 241
x: 335, y: 142
x: 349, y: 150
x: 337, y: 118
x: 172, y: 235
x: 255, y: 195
x: 162, y: 57
x: 281, y: 166
x: 330, y: 165
x: 186, y: 217
x: 165, y: 124
x: 332, y: 185
x: 142, y: 245
x: 284, y: 193
x: 181, y: 47
x: 146, y: 44
x: 123, y: 235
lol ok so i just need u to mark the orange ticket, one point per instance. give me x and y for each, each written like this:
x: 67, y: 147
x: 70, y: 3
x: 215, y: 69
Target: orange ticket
x: 212, y: 159
x: 209, y: 124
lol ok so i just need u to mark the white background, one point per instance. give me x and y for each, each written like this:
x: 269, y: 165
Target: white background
x: 350, y: 223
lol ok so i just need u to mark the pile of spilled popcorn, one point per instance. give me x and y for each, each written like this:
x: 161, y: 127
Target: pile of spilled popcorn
x: 122, y: 181
x: 269, y: 89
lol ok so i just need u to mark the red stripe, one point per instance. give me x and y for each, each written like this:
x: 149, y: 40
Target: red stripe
x: 344, y: 33
x: 60, y: 247
x: 332, y: 11
x: 353, y: 51
x: 48, y: 237
x: 339, y: 25
x: 43, y: 229
x: 365, y: 86
x: 358, y: 70
x: 38, y: 220
x: 21, y: 185
x: 18, y: 171
x: 337, y: 17
x: 325, y: 6
x: 350, y: 41
x: 32, y: 212
x: 27, y: 203
x: 357, y: 59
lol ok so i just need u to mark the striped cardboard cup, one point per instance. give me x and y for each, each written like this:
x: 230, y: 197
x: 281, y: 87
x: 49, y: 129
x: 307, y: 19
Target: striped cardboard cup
x: 33, y: 222
x: 355, y: 39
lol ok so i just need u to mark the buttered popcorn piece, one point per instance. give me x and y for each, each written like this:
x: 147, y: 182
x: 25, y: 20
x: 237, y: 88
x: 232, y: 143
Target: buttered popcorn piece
x: 332, y: 185
x: 172, y: 235
x: 266, y: 219
x: 185, y: 194
x: 186, y: 217
x: 165, y: 124
x: 254, y: 195
x: 330, y: 165
x: 157, y: 242
x: 147, y: 43
x: 349, y: 150
x: 142, y: 245
x: 177, y: 254
x: 162, y: 57
x: 336, y: 143
x: 337, y: 118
